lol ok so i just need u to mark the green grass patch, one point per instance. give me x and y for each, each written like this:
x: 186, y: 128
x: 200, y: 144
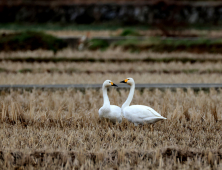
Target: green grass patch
x: 30, y: 40
x: 25, y: 70
x: 3, y: 70
x: 199, y: 45
x: 95, y: 26
x: 190, y: 71
x: 53, y: 70
x: 58, y: 26
x: 196, y: 45
x: 95, y: 44
x: 130, y: 32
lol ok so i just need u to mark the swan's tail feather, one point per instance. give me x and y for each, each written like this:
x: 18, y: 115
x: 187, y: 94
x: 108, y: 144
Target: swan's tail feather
x: 161, y: 118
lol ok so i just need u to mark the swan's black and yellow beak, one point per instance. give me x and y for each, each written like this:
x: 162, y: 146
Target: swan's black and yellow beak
x: 112, y: 84
x: 124, y: 81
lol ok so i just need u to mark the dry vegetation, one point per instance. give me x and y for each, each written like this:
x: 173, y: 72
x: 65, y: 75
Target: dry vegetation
x: 156, y: 32
x: 116, y: 53
x: 98, y: 78
x: 62, y: 130
x: 124, y: 67
x: 95, y: 73
x: 108, y: 33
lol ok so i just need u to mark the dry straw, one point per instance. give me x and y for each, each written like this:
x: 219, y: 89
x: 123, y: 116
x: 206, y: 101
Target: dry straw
x: 95, y: 78
x: 141, y: 67
x: 108, y: 33
x: 62, y: 129
x: 116, y: 53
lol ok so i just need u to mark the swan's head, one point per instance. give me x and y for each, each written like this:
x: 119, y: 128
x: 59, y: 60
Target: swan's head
x: 128, y: 81
x: 108, y: 83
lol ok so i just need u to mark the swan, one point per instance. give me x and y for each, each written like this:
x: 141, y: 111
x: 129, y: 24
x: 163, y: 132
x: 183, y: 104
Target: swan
x: 138, y: 114
x: 111, y: 112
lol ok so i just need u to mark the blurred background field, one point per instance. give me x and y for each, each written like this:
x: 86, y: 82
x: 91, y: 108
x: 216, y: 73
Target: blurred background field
x: 87, y: 42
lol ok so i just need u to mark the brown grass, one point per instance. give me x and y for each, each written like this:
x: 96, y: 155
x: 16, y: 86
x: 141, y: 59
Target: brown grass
x: 62, y: 129
x: 112, y: 67
x: 98, y: 78
x: 117, y: 53
x: 108, y: 33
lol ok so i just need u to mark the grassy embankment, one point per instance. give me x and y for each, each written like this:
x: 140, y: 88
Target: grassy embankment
x: 31, y: 40
x: 200, y: 45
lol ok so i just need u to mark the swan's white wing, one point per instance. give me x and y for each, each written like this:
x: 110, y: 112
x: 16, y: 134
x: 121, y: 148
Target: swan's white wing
x: 145, y: 111
x: 140, y: 114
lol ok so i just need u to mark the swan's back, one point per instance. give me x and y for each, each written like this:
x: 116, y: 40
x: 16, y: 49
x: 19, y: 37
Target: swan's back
x: 141, y: 114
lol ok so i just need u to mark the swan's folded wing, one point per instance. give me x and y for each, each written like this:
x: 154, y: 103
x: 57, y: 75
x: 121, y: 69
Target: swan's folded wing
x: 144, y: 111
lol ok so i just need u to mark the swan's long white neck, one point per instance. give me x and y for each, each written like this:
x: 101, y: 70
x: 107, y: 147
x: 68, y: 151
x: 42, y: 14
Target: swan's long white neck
x: 130, y: 97
x: 106, y: 102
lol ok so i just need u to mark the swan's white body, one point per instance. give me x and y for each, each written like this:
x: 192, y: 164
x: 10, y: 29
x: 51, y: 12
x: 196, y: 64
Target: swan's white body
x: 138, y: 114
x: 111, y: 112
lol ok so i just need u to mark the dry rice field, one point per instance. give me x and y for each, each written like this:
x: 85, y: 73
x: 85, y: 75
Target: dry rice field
x: 42, y: 129
x: 62, y: 130
x: 98, y: 78
x: 122, y: 67
x: 116, y: 53
x: 96, y: 73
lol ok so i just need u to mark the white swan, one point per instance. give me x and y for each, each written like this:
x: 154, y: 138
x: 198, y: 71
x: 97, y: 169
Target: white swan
x: 138, y: 114
x: 111, y: 112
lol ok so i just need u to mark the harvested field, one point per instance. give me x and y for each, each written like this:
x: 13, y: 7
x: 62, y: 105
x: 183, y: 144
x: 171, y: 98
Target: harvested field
x: 61, y: 129
x: 96, y: 72
x: 124, y: 67
x: 42, y: 129
x: 108, y: 54
x: 98, y: 78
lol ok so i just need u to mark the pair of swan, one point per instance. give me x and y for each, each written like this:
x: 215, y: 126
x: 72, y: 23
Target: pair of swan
x: 138, y: 114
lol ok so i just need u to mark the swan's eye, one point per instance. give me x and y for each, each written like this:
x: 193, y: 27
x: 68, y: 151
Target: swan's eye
x: 126, y: 80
